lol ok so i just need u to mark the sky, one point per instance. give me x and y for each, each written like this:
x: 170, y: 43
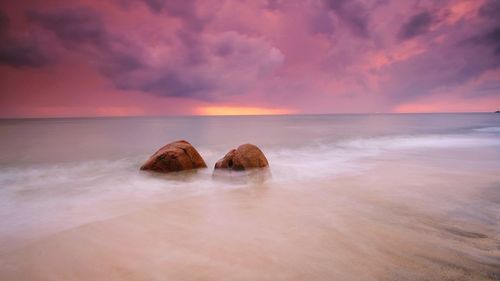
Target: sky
x: 213, y: 57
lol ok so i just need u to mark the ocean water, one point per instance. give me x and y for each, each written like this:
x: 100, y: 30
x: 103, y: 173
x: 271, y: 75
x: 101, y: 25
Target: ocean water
x: 350, y: 197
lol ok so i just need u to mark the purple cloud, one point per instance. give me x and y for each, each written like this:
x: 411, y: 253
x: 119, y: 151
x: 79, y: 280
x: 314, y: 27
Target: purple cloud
x: 73, y: 25
x: 352, y: 13
x: 19, y: 51
x: 489, y: 38
x: 491, y: 9
x: 417, y: 25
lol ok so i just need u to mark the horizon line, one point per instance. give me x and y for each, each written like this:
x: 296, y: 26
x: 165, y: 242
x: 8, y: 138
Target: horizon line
x: 238, y: 115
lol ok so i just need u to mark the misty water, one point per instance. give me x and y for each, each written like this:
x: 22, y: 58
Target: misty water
x: 351, y: 197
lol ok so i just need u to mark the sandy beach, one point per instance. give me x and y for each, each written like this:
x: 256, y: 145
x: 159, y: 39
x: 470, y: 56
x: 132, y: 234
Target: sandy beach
x: 368, y: 227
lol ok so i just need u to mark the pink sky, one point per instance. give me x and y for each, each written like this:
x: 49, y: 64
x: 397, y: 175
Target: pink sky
x: 156, y: 57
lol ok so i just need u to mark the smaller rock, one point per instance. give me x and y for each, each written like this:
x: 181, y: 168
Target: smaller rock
x: 246, y: 156
x: 174, y: 157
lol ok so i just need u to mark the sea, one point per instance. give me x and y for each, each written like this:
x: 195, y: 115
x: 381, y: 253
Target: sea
x: 347, y: 197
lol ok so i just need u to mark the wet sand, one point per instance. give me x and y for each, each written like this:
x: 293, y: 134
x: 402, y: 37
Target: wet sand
x: 395, y: 222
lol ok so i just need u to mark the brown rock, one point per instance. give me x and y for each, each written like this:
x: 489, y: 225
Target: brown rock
x: 246, y: 156
x: 174, y: 157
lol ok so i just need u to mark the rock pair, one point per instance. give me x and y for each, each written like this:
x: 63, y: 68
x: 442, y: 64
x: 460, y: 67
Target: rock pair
x: 181, y: 155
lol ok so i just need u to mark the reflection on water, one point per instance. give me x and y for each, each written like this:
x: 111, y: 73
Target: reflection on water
x: 253, y: 176
x: 339, y: 205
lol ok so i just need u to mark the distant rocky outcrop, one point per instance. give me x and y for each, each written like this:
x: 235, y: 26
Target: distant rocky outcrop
x: 498, y: 111
x: 245, y: 157
x: 174, y: 157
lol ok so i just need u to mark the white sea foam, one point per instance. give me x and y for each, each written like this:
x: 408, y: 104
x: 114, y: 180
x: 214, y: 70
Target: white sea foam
x: 121, y: 177
x: 37, y: 200
x: 342, y: 158
x: 488, y: 130
x: 424, y: 141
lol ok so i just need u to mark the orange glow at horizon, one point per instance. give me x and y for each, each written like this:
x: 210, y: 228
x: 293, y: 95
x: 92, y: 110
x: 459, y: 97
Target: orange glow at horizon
x: 417, y: 108
x: 240, y: 110
x: 484, y: 105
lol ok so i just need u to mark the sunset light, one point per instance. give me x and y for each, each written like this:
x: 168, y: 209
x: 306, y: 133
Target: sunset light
x: 239, y: 110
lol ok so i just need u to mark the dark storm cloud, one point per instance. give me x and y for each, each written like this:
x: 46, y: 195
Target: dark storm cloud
x: 188, y: 71
x: 177, y: 85
x: 491, y: 9
x: 416, y: 25
x: 155, y: 5
x: 19, y: 51
x: 232, y: 63
x: 445, y: 67
x: 193, y: 24
x: 116, y: 57
x: 184, y: 10
x: 113, y: 63
x: 4, y: 22
x: 493, y: 38
x: 460, y: 59
x: 22, y: 54
x: 489, y: 38
x: 353, y: 14
x: 82, y: 29
x: 75, y: 25
x: 161, y: 82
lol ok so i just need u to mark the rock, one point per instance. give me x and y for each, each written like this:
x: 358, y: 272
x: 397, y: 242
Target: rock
x: 246, y: 156
x: 174, y: 157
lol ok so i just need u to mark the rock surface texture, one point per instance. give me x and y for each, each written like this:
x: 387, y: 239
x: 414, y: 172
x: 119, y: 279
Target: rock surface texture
x: 174, y: 157
x: 246, y: 156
